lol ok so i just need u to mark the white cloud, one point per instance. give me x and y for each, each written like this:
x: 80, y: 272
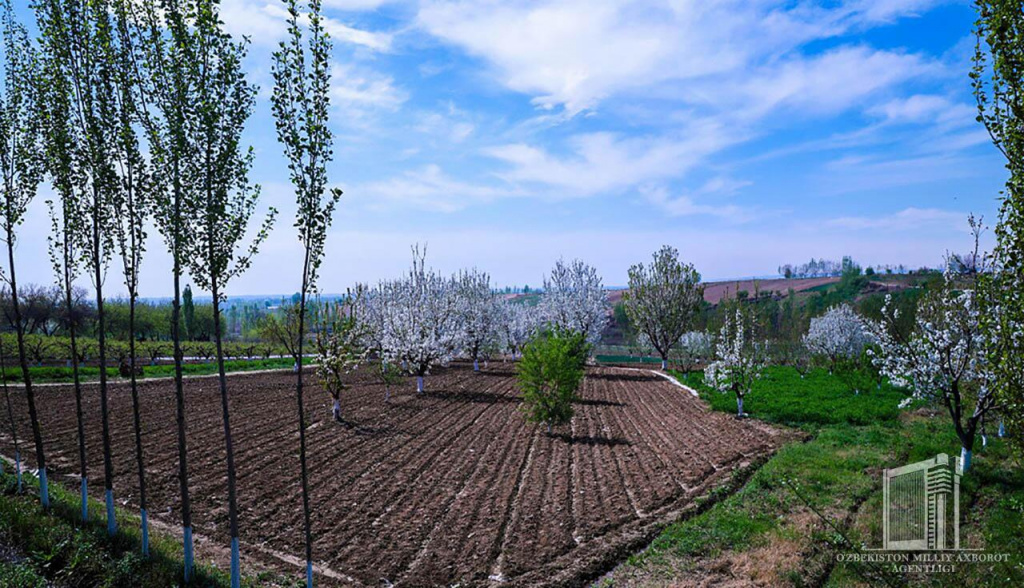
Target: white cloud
x: 426, y: 188
x: 344, y: 33
x: 359, y: 90
x: 576, y: 53
x: 686, y: 205
x: 264, y: 22
x: 603, y: 162
x: 905, y: 220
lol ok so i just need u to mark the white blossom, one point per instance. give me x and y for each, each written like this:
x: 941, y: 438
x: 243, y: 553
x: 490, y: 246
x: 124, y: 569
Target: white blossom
x: 944, y: 359
x: 519, y: 323
x: 738, y: 361
x: 478, y: 313
x: 574, y: 299
x: 838, y: 334
x: 414, y: 321
x: 695, y: 347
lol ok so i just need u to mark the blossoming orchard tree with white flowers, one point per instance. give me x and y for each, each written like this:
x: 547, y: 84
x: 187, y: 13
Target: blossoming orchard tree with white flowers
x: 837, y: 335
x: 340, y: 348
x: 738, y: 360
x: 662, y: 299
x: 695, y: 347
x: 419, y: 320
x: 574, y: 299
x: 519, y: 323
x: 943, y: 359
x: 478, y: 314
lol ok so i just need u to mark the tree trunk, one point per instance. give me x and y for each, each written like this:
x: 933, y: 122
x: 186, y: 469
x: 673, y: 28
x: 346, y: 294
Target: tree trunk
x: 236, y: 578
x: 664, y: 364
x: 140, y: 459
x: 101, y: 341
x: 739, y: 406
x: 179, y: 394
x: 476, y: 365
x: 336, y: 410
x: 82, y: 463
x: 302, y: 423
x: 419, y: 384
x: 37, y: 435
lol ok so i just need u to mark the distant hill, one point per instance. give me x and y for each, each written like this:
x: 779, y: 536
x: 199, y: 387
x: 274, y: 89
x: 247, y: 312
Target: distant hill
x: 714, y: 292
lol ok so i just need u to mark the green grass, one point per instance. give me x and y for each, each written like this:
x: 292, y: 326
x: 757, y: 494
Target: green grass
x: 58, y: 547
x: 64, y: 374
x: 837, y: 472
x: 782, y: 396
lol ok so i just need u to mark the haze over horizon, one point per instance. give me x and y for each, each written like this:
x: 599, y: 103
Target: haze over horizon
x: 507, y: 135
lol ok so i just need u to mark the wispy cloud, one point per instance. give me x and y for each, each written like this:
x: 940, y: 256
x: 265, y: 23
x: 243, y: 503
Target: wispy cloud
x: 908, y: 219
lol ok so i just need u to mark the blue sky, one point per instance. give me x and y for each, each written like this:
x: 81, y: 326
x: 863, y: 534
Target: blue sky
x: 507, y: 134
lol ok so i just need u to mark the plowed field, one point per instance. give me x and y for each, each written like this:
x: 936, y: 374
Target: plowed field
x: 445, y: 487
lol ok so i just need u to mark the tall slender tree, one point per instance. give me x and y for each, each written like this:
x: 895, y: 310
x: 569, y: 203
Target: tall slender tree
x: 132, y: 205
x: 226, y: 200
x: 168, y: 50
x: 79, y: 36
x: 301, y: 102
x: 21, y: 167
x: 998, y: 82
x: 65, y: 254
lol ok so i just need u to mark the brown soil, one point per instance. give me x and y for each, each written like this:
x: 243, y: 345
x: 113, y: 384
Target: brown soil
x: 451, y: 486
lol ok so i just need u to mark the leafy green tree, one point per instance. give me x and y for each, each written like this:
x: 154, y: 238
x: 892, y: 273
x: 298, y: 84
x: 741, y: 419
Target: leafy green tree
x: 663, y: 299
x: 225, y: 200
x: 10, y: 413
x: 168, y: 48
x: 21, y: 167
x: 998, y: 82
x: 549, y: 375
x: 81, y: 38
x: 301, y: 105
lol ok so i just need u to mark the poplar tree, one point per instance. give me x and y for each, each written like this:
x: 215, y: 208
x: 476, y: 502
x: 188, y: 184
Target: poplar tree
x: 132, y: 205
x: 998, y: 83
x: 168, y: 51
x: 21, y: 168
x: 225, y: 199
x: 301, y: 101
x: 78, y: 36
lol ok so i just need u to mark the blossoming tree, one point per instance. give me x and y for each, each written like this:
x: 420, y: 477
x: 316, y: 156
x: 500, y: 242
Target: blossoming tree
x: 478, y: 314
x: 519, y: 323
x: 662, y: 299
x: 574, y: 299
x: 738, y: 360
x: 837, y: 335
x: 943, y: 359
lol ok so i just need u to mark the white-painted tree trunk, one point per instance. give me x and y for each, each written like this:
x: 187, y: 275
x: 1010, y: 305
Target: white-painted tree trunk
x: 295, y: 367
x: 85, y: 499
x: 984, y: 440
x: 309, y: 574
x: 664, y: 364
x: 476, y: 365
x: 387, y: 393
x: 17, y: 468
x: 419, y: 384
x: 965, y: 460
x: 145, y: 532
x: 1002, y: 430
x: 189, y: 555
x: 44, y: 489
x: 236, y: 570
x: 111, y: 519
x: 336, y: 410
x: 739, y: 406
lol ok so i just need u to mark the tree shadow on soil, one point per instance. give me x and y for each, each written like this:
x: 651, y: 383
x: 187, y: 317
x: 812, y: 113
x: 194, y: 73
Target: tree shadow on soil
x: 474, y: 397
x: 592, y: 402
x: 591, y: 441
x: 368, y: 430
x: 625, y: 377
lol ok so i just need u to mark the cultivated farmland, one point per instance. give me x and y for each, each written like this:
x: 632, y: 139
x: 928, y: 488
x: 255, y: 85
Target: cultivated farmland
x: 448, y: 486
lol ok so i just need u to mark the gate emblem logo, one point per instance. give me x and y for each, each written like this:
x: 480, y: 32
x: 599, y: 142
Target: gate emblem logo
x: 921, y: 506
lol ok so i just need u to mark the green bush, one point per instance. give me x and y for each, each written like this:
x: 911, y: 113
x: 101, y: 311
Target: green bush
x: 549, y: 375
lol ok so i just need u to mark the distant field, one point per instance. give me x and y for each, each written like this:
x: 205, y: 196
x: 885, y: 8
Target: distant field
x: 714, y: 292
